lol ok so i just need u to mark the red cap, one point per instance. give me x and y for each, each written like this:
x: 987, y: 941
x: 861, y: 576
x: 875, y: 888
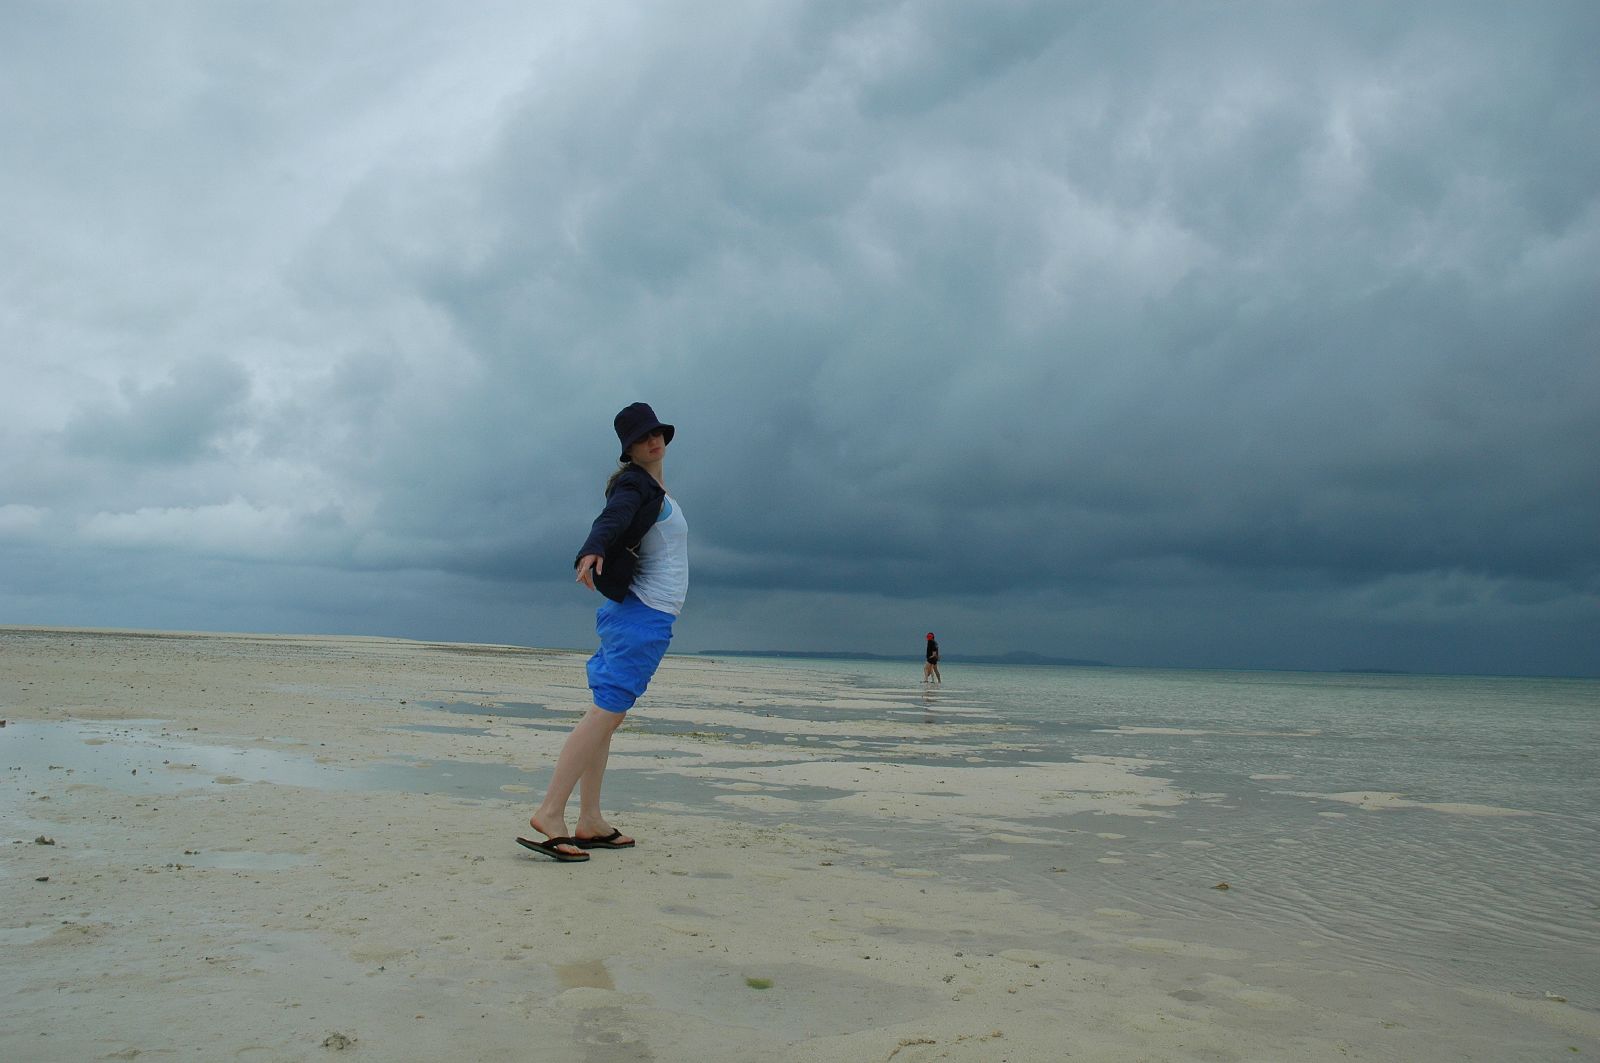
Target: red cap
x: 930, y: 634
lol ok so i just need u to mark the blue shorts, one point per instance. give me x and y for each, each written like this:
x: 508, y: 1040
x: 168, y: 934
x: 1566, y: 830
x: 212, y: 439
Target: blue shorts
x: 633, y: 639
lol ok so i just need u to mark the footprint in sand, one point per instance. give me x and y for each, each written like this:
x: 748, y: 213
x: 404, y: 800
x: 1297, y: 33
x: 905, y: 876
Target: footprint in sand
x: 584, y: 974
x: 609, y: 1033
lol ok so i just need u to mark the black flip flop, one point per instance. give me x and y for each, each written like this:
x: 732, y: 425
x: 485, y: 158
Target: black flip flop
x: 548, y: 848
x: 608, y: 842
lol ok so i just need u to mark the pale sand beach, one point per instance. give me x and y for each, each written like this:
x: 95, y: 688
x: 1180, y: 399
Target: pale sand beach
x: 281, y: 848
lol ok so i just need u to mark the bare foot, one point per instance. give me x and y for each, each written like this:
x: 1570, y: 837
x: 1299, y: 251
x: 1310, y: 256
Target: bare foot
x: 588, y: 830
x: 560, y: 831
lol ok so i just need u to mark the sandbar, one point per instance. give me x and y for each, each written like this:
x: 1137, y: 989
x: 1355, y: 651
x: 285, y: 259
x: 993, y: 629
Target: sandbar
x: 283, y: 847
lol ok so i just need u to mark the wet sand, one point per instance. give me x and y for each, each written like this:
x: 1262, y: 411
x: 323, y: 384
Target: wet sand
x: 258, y: 847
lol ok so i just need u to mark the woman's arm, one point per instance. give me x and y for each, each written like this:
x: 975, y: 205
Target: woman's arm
x: 623, y: 503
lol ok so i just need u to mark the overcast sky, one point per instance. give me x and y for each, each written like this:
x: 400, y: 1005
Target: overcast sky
x: 1193, y: 334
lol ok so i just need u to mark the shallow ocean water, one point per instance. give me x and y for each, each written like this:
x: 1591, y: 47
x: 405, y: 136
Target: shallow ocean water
x: 1488, y: 878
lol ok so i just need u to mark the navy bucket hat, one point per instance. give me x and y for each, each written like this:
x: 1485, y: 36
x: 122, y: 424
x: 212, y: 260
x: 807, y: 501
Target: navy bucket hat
x: 635, y: 422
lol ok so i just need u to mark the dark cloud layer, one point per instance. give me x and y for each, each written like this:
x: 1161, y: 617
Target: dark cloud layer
x: 1260, y: 335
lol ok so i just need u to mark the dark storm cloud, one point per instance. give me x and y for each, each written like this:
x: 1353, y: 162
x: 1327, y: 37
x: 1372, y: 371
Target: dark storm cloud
x: 1256, y: 298
x: 1099, y: 324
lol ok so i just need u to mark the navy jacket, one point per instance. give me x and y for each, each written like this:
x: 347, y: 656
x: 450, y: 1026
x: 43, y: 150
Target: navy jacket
x: 633, y: 503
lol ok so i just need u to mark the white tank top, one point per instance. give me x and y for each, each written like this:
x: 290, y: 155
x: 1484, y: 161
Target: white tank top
x: 662, y: 579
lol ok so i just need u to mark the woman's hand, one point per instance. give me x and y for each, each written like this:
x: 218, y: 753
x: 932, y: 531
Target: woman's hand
x: 589, y: 566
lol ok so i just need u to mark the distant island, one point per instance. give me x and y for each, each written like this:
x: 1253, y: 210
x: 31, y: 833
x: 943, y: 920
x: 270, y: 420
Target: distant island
x: 1014, y: 657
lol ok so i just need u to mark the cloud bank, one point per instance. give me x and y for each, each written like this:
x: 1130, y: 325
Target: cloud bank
x: 1162, y: 334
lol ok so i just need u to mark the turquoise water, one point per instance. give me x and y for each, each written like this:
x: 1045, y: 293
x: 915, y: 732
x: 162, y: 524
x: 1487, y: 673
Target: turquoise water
x: 1507, y: 902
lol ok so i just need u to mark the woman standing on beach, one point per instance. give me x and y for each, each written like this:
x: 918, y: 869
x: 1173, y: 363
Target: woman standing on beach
x: 637, y: 555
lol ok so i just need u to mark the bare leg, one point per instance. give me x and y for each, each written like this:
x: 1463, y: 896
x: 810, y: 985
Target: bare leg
x: 584, y: 752
x: 591, y: 824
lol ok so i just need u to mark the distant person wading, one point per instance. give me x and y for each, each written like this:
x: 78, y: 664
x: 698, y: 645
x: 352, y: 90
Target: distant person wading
x: 637, y: 555
x: 930, y: 667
